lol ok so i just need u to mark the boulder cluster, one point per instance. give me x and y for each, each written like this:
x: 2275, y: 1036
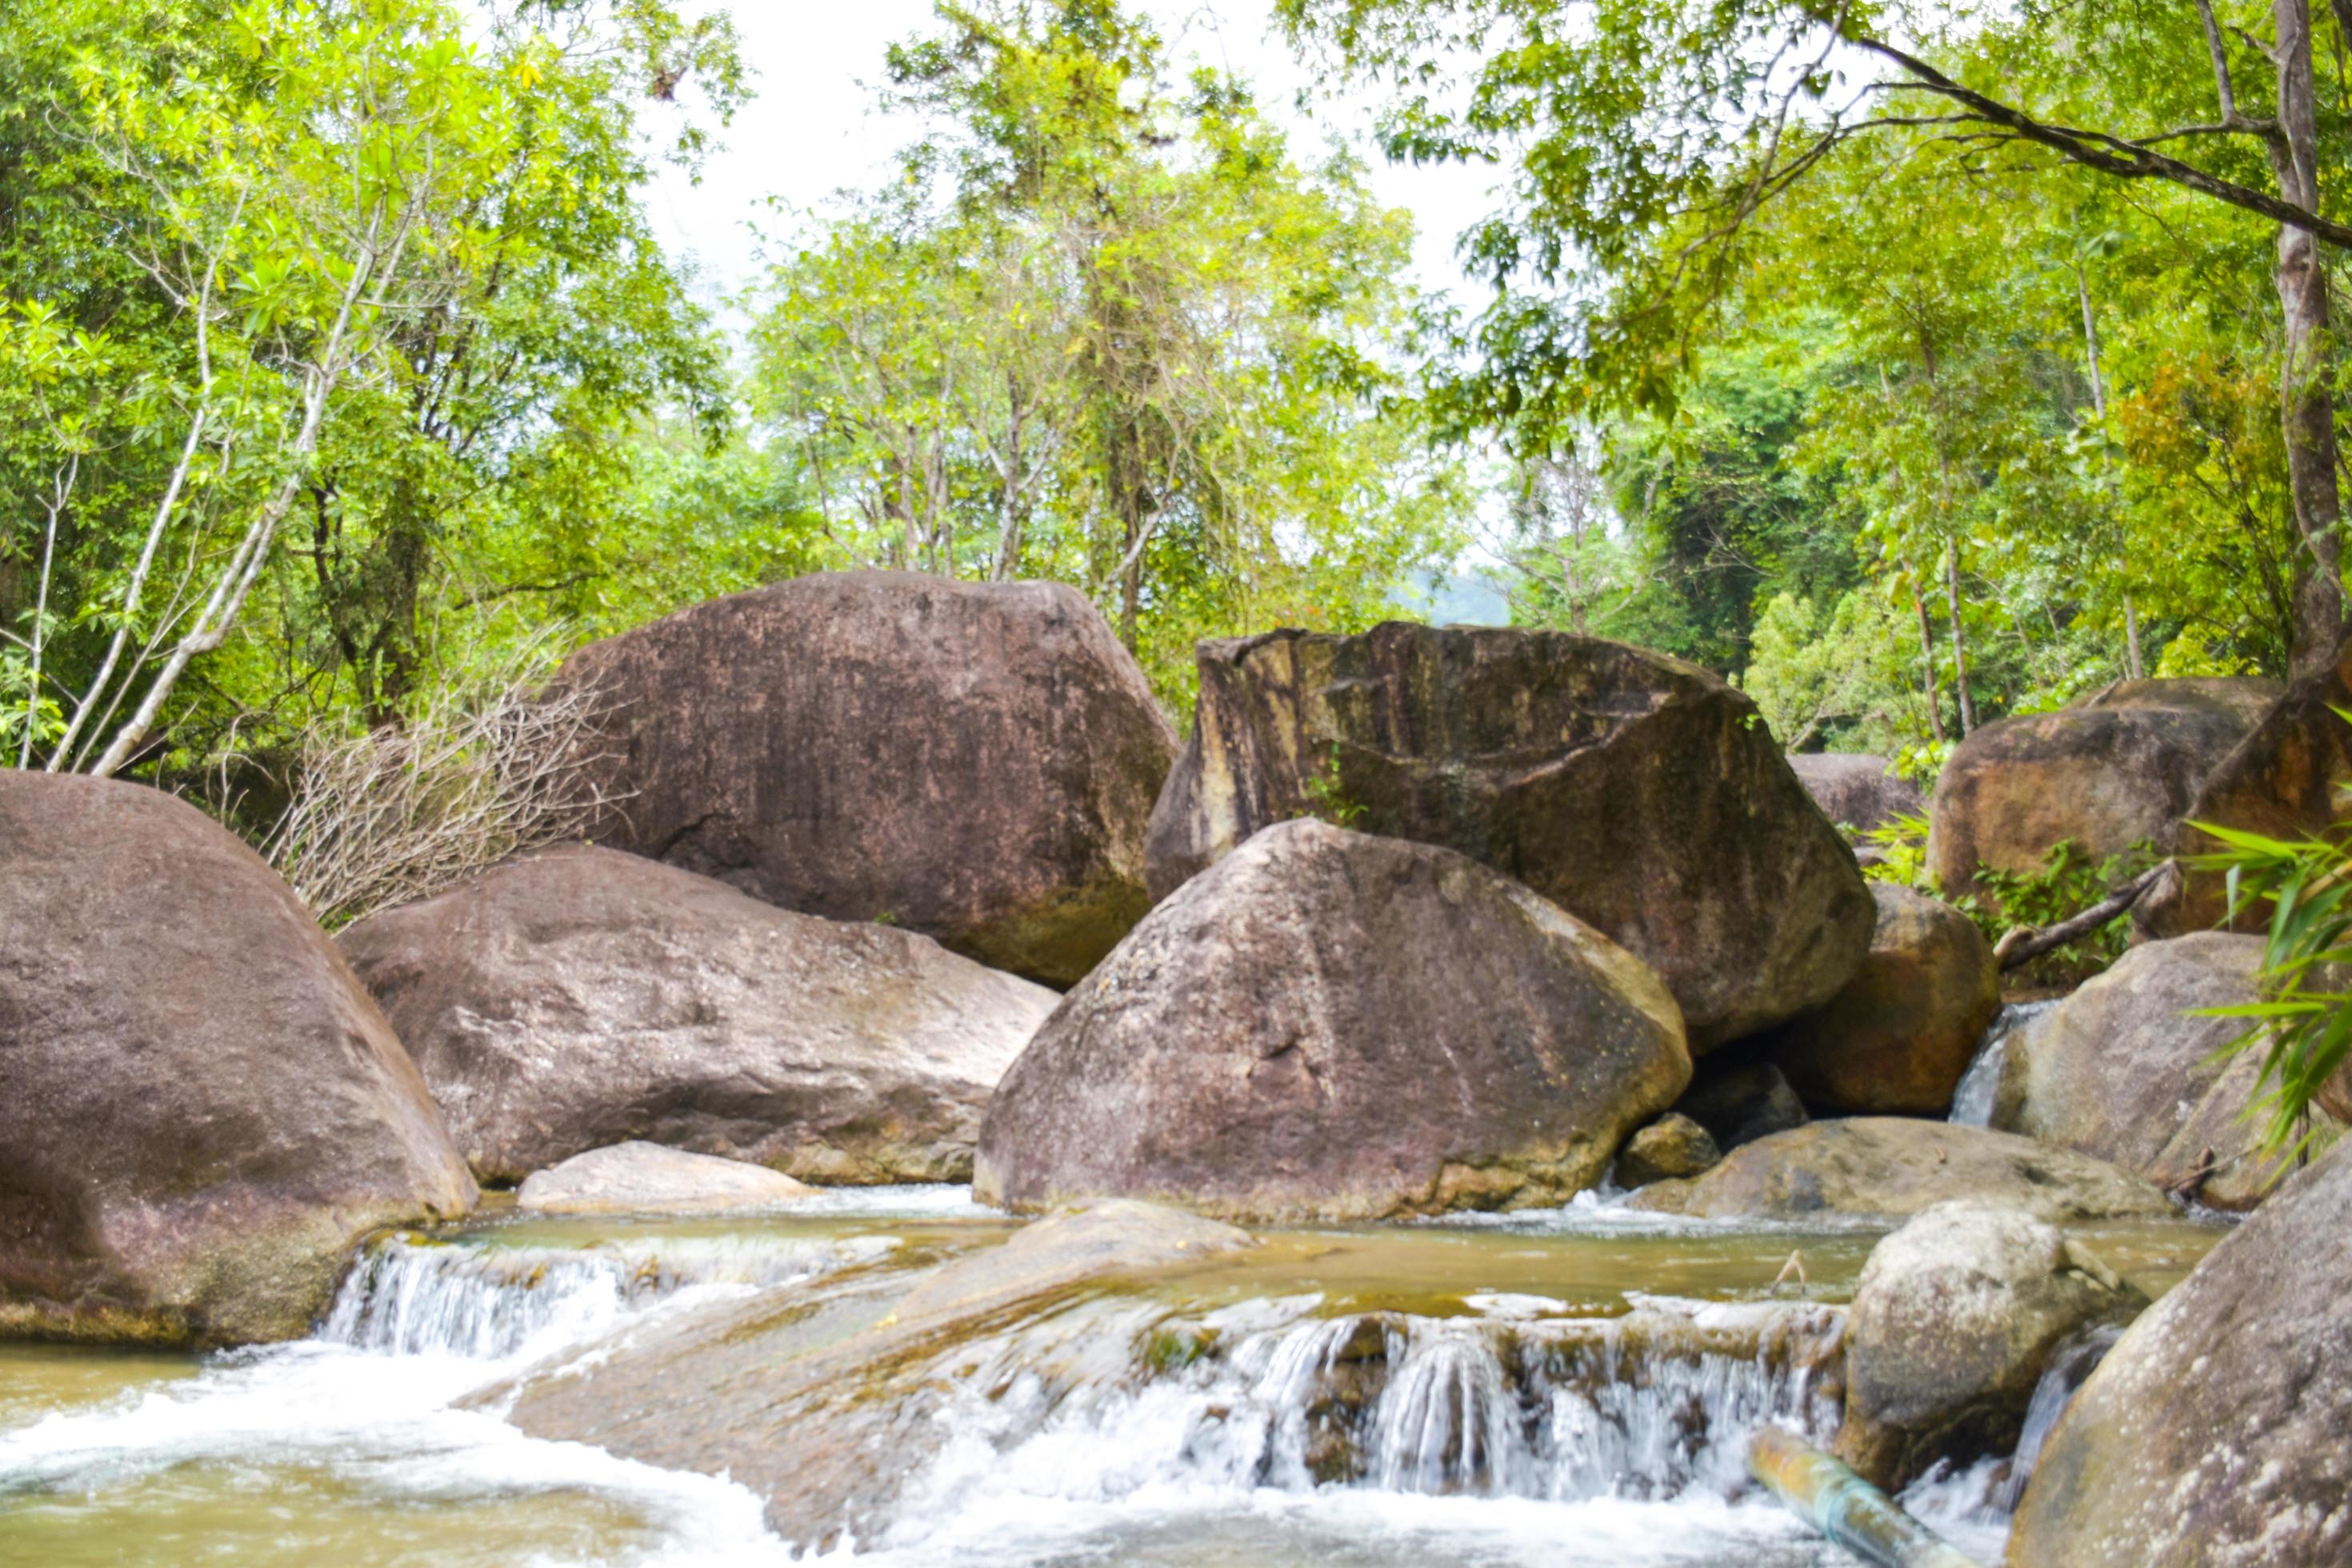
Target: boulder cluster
x: 894, y: 878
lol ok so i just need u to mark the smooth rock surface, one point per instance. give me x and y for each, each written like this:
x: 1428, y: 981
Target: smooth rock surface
x: 1897, y: 1039
x: 584, y: 998
x: 1857, y: 792
x: 648, y: 1178
x: 2124, y: 1069
x: 1331, y: 1025
x: 2122, y: 767
x: 1880, y: 1165
x: 1669, y: 1148
x: 1954, y: 1320
x: 201, y: 1111
x: 1642, y: 794
x: 2219, y: 1432
x: 828, y: 1401
x: 974, y: 762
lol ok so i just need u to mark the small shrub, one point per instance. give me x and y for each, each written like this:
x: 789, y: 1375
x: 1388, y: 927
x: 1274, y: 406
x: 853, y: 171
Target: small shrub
x: 483, y: 768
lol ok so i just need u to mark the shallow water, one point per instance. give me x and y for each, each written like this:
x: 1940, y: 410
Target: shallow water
x: 1511, y: 1426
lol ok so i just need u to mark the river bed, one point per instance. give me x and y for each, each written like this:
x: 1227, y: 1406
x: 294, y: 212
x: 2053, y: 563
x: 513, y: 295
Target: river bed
x: 381, y: 1439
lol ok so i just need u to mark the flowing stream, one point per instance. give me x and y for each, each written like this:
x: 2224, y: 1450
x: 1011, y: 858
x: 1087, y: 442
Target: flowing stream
x: 1569, y: 1387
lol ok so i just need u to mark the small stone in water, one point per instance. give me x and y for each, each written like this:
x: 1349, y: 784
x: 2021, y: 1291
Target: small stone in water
x: 1672, y: 1146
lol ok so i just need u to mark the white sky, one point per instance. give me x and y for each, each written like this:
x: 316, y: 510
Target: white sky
x: 811, y: 130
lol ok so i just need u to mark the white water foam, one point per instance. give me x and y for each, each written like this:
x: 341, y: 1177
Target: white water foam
x: 371, y: 1400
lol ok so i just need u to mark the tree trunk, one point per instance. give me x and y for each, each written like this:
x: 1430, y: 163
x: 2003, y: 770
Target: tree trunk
x: 1927, y: 659
x: 2305, y: 374
x: 1959, y: 646
x: 2133, y: 669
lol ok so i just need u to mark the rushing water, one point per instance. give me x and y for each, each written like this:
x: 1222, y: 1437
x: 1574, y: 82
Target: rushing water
x: 1496, y: 1394
x: 1972, y: 1102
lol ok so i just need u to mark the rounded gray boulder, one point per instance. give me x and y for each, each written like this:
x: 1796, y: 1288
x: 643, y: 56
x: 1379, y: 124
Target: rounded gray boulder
x: 1329, y: 1025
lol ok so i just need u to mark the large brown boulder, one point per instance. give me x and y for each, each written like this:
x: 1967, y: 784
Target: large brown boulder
x: 1857, y: 792
x: 2218, y: 1431
x: 2119, y: 768
x: 2124, y: 1069
x: 1329, y: 1025
x: 1898, y: 1165
x: 1954, y: 1320
x: 584, y: 998
x: 200, y: 1108
x: 2285, y: 779
x: 1897, y: 1039
x: 975, y: 761
x: 1641, y: 793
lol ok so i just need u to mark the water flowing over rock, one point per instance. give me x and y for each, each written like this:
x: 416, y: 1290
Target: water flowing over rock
x: 1641, y: 793
x: 1857, y: 792
x: 2123, y: 766
x: 1972, y: 1102
x: 1897, y: 1039
x: 1332, y: 1025
x: 2124, y: 1069
x: 647, y: 1178
x: 868, y: 1411
x: 1955, y: 1319
x: 1894, y: 1165
x: 2219, y: 1430
x: 847, y: 1372
x: 975, y: 761
x: 407, y: 1296
x: 584, y: 998
x: 200, y: 1108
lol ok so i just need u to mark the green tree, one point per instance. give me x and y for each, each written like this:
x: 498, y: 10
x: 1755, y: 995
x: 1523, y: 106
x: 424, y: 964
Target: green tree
x: 1646, y: 142
x: 1109, y: 330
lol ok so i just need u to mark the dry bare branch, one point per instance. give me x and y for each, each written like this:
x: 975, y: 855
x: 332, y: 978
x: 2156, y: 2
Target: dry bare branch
x: 486, y: 769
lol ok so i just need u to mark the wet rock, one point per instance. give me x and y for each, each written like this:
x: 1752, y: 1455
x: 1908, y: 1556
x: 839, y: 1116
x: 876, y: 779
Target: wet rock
x: 2123, y: 766
x: 1739, y: 1099
x: 1871, y: 1165
x: 1857, y: 792
x: 1671, y: 1147
x: 1331, y: 1025
x: 1896, y: 1040
x: 974, y: 762
x: 828, y: 1401
x: 200, y: 1108
x: 584, y: 998
x: 2124, y: 1069
x: 1954, y: 1320
x: 1642, y: 795
x: 647, y: 1178
x: 2219, y: 1430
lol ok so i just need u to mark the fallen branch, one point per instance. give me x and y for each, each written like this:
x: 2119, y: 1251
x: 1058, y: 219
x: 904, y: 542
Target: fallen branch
x: 2025, y: 943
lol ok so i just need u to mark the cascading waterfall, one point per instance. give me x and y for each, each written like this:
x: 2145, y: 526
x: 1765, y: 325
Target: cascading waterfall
x: 1972, y: 1102
x: 2069, y: 1369
x: 408, y: 1297
x: 1650, y: 1407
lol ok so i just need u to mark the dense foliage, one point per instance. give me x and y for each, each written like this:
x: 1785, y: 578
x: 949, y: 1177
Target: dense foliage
x: 1108, y: 329
x: 1944, y: 363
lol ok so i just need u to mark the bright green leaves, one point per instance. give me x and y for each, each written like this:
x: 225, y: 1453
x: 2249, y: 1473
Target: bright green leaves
x: 1109, y: 330
x: 2303, y: 1024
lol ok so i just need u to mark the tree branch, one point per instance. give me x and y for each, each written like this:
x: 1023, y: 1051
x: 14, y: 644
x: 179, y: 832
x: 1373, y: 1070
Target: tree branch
x: 2098, y: 149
